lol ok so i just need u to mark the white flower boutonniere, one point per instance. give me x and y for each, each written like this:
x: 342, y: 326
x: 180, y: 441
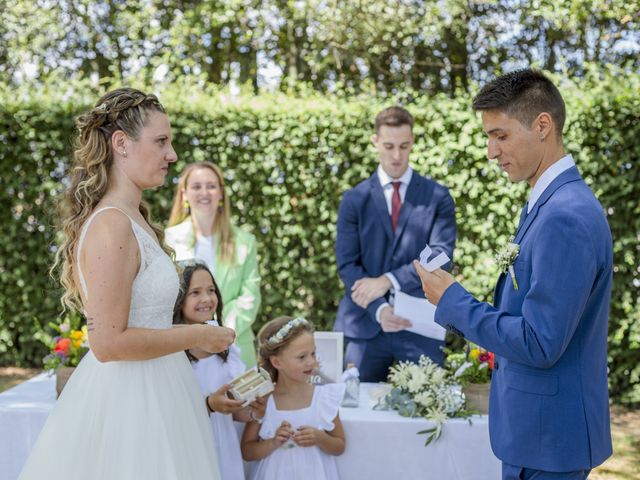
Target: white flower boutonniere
x: 505, y: 257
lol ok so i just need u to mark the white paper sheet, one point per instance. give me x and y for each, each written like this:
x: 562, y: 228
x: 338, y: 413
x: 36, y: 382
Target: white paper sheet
x: 436, y: 262
x: 420, y: 313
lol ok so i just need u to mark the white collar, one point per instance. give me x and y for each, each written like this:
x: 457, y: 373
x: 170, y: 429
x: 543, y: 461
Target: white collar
x: 548, y: 176
x: 386, y: 179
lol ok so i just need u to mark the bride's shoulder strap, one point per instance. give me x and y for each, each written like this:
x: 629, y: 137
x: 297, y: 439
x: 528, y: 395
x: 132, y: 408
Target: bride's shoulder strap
x: 83, y: 233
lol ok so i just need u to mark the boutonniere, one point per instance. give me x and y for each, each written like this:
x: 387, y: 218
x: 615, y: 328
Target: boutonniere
x: 505, y: 257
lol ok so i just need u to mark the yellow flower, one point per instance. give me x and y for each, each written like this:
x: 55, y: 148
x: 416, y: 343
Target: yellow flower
x: 77, y: 335
x: 474, y: 353
x: 84, y: 331
x: 76, y: 343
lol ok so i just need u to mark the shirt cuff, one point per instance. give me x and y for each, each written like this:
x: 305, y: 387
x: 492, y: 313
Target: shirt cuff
x: 394, y: 281
x: 385, y: 304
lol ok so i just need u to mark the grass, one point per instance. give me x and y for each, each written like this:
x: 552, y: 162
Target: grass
x: 625, y: 462
x: 625, y: 429
x: 12, y: 376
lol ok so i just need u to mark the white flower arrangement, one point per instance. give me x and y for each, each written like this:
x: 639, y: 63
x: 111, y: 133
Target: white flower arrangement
x: 505, y: 257
x: 281, y: 334
x: 425, y: 390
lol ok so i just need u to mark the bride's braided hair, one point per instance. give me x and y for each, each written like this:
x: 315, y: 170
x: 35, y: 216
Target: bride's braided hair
x: 125, y: 109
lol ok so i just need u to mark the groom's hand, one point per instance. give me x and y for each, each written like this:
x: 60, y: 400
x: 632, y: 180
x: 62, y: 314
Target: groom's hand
x: 434, y: 283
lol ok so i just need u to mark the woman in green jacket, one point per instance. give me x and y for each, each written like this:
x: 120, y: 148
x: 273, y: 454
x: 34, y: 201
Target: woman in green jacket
x: 199, y: 227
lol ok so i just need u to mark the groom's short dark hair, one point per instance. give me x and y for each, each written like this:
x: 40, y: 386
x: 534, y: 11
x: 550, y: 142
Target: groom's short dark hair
x: 523, y: 95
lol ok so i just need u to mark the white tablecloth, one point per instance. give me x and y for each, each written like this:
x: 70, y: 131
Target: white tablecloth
x: 380, y: 445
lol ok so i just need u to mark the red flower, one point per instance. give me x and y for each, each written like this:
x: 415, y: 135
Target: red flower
x: 492, y: 358
x: 63, y: 345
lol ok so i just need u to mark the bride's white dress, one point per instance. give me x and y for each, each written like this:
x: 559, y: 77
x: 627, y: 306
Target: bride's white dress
x: 134, y: 420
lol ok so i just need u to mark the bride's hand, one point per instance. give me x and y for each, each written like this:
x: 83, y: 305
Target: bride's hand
x: 215, y: 339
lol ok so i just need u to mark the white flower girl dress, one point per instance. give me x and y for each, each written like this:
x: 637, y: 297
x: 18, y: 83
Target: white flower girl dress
x: 291, y: 461
x: 130, y: 420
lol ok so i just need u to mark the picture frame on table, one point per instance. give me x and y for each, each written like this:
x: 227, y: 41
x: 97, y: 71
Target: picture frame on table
x: 330, y: 354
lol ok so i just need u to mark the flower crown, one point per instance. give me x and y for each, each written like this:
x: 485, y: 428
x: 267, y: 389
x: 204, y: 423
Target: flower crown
x: 281, y: 334
x: 191, y: 262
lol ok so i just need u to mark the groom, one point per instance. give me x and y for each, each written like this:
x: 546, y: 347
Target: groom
x: 549, y: 405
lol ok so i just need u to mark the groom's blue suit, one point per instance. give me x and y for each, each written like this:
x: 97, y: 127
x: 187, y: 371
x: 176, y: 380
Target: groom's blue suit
x: 549, y: 406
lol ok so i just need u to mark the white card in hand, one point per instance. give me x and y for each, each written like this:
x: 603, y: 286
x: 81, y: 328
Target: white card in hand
x: 436, y: 262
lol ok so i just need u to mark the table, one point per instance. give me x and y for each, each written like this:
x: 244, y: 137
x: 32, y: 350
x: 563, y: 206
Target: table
x: 384, y: 445
x: 23, y: 411
x: 380, y: 444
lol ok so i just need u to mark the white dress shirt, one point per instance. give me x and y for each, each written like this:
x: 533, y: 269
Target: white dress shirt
x: 387, y: 187
x: 548, y: 176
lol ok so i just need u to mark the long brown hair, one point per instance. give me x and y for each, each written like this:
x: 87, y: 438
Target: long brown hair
x: 222, y: 225
x: 189, y: 267
x: 268, y: 349
x: 123, y: 109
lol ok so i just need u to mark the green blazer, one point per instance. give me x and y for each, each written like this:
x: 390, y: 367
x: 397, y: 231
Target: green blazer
x: 239, y: 282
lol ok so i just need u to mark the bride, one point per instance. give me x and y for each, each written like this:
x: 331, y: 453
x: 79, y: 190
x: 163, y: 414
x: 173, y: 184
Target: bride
x: 132, y: 409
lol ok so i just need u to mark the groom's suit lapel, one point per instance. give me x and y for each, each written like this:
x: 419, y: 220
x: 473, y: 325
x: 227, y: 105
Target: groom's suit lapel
x: 570, y: 175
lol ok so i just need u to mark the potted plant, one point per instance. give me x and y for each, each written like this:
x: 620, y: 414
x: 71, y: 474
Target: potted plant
x: 66, y: 348
x: 472, y: 369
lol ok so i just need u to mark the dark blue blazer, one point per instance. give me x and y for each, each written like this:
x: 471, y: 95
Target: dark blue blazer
x: 549, y: 404
x: 366, y: 245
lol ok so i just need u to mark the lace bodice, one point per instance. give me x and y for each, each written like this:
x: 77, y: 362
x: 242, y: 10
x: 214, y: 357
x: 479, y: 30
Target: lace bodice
x: 155, y: 287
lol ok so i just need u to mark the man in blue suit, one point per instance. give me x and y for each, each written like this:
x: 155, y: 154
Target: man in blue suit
x: 383, y: 224
x: 549, y: 405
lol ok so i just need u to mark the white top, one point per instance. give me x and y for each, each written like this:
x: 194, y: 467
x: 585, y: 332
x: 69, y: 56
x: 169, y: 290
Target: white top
x: 291, y: 461
x: 548, y: 176
x: 212, y: 372
x: 205, y: 250
x: 387, y: 188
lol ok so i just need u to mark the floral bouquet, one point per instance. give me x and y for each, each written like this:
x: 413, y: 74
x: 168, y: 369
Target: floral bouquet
x: 473, y: 365
x: 426, y: 390
x: 67, y: 348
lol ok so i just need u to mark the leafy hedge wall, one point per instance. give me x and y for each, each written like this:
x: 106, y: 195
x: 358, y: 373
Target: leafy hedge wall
x: 287, y: 162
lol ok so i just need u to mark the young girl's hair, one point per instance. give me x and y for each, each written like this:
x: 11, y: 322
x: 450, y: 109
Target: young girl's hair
x: 123, y: 109
x: 275, y: 335
x: 189, y: 267
x: 180, y: 210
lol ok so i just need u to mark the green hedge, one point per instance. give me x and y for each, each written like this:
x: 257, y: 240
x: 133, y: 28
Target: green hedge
x: 287, y: 162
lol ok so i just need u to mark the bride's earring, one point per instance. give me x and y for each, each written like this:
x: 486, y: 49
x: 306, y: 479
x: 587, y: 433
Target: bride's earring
x: 186, y: 205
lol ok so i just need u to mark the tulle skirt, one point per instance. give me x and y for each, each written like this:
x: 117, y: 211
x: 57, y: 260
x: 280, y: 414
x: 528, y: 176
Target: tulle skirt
x: 133, y: 420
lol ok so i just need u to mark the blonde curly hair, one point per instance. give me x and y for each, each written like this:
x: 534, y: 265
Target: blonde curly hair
x: 124, y: 109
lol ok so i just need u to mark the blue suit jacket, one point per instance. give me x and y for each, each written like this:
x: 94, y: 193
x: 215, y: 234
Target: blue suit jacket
x: 549, y: 405
x: 366, y: 245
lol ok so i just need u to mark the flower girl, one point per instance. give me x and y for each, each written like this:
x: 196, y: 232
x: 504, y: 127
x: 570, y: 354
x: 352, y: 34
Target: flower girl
x: 301, y: 432
x: 200, y: 301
